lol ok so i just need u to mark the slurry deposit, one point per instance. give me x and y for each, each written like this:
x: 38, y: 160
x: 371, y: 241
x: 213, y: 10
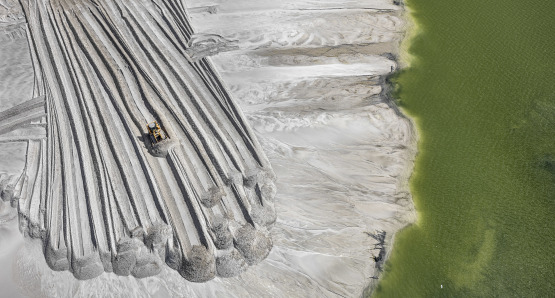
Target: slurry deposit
x: 92, y: 191
x: 310, y: 78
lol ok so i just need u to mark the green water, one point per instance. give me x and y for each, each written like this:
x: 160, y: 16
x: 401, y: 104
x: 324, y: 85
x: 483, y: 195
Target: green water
x: 482, y: 90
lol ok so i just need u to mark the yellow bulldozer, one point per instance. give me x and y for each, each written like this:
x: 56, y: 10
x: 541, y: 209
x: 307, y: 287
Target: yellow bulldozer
x: 156, y: 133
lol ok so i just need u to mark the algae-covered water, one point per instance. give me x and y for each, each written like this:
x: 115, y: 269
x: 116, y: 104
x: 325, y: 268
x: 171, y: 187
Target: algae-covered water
x: 481, y: 88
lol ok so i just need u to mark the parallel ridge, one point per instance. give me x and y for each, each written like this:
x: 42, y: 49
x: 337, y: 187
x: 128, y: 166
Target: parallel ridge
x: 93, y: 192
x: 22, y: 115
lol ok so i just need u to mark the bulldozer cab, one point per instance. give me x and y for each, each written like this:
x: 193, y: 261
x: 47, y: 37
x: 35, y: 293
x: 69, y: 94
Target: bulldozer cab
x: 155, y: 133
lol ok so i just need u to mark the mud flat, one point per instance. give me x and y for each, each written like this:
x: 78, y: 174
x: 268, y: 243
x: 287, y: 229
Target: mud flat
x: 310, y: 80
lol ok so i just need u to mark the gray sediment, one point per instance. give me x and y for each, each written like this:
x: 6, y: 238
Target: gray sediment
x: 56, y: 259
x: 200, y: 266
x: 96, y: 191
x: 87, y: 267
x: 230, y: 264
x: 252, y: 244
x: 222, y: 235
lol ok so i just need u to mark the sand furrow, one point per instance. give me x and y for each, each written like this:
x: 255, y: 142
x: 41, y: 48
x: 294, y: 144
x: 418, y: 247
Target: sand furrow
x: 111, y: 200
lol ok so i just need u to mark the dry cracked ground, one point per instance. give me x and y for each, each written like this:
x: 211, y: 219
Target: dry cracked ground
x: 256, y: 96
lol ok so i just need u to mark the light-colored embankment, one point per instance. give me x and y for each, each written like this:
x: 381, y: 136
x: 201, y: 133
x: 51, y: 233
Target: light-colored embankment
x: 96, y: 191
x: 309, y: 77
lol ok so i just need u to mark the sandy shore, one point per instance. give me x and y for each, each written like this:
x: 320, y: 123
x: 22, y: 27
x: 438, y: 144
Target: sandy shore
x: 310, y: 82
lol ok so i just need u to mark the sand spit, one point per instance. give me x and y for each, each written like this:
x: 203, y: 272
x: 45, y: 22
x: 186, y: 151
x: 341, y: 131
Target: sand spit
x: 98, y: 194
x: 310, y: 79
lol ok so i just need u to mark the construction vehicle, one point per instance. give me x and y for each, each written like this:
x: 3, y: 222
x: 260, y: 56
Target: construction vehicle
x: 155, y: 133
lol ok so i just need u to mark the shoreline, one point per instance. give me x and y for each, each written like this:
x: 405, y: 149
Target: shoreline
x: 412, y: 216
x: 483, y: 172
x: 405, y: 60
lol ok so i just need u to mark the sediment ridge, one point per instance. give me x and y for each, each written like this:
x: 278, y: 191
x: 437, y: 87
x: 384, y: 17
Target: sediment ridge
x: 100, y: 196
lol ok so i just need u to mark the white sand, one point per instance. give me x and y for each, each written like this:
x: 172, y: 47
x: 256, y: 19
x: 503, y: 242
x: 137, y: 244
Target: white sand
x: 341, y: 155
